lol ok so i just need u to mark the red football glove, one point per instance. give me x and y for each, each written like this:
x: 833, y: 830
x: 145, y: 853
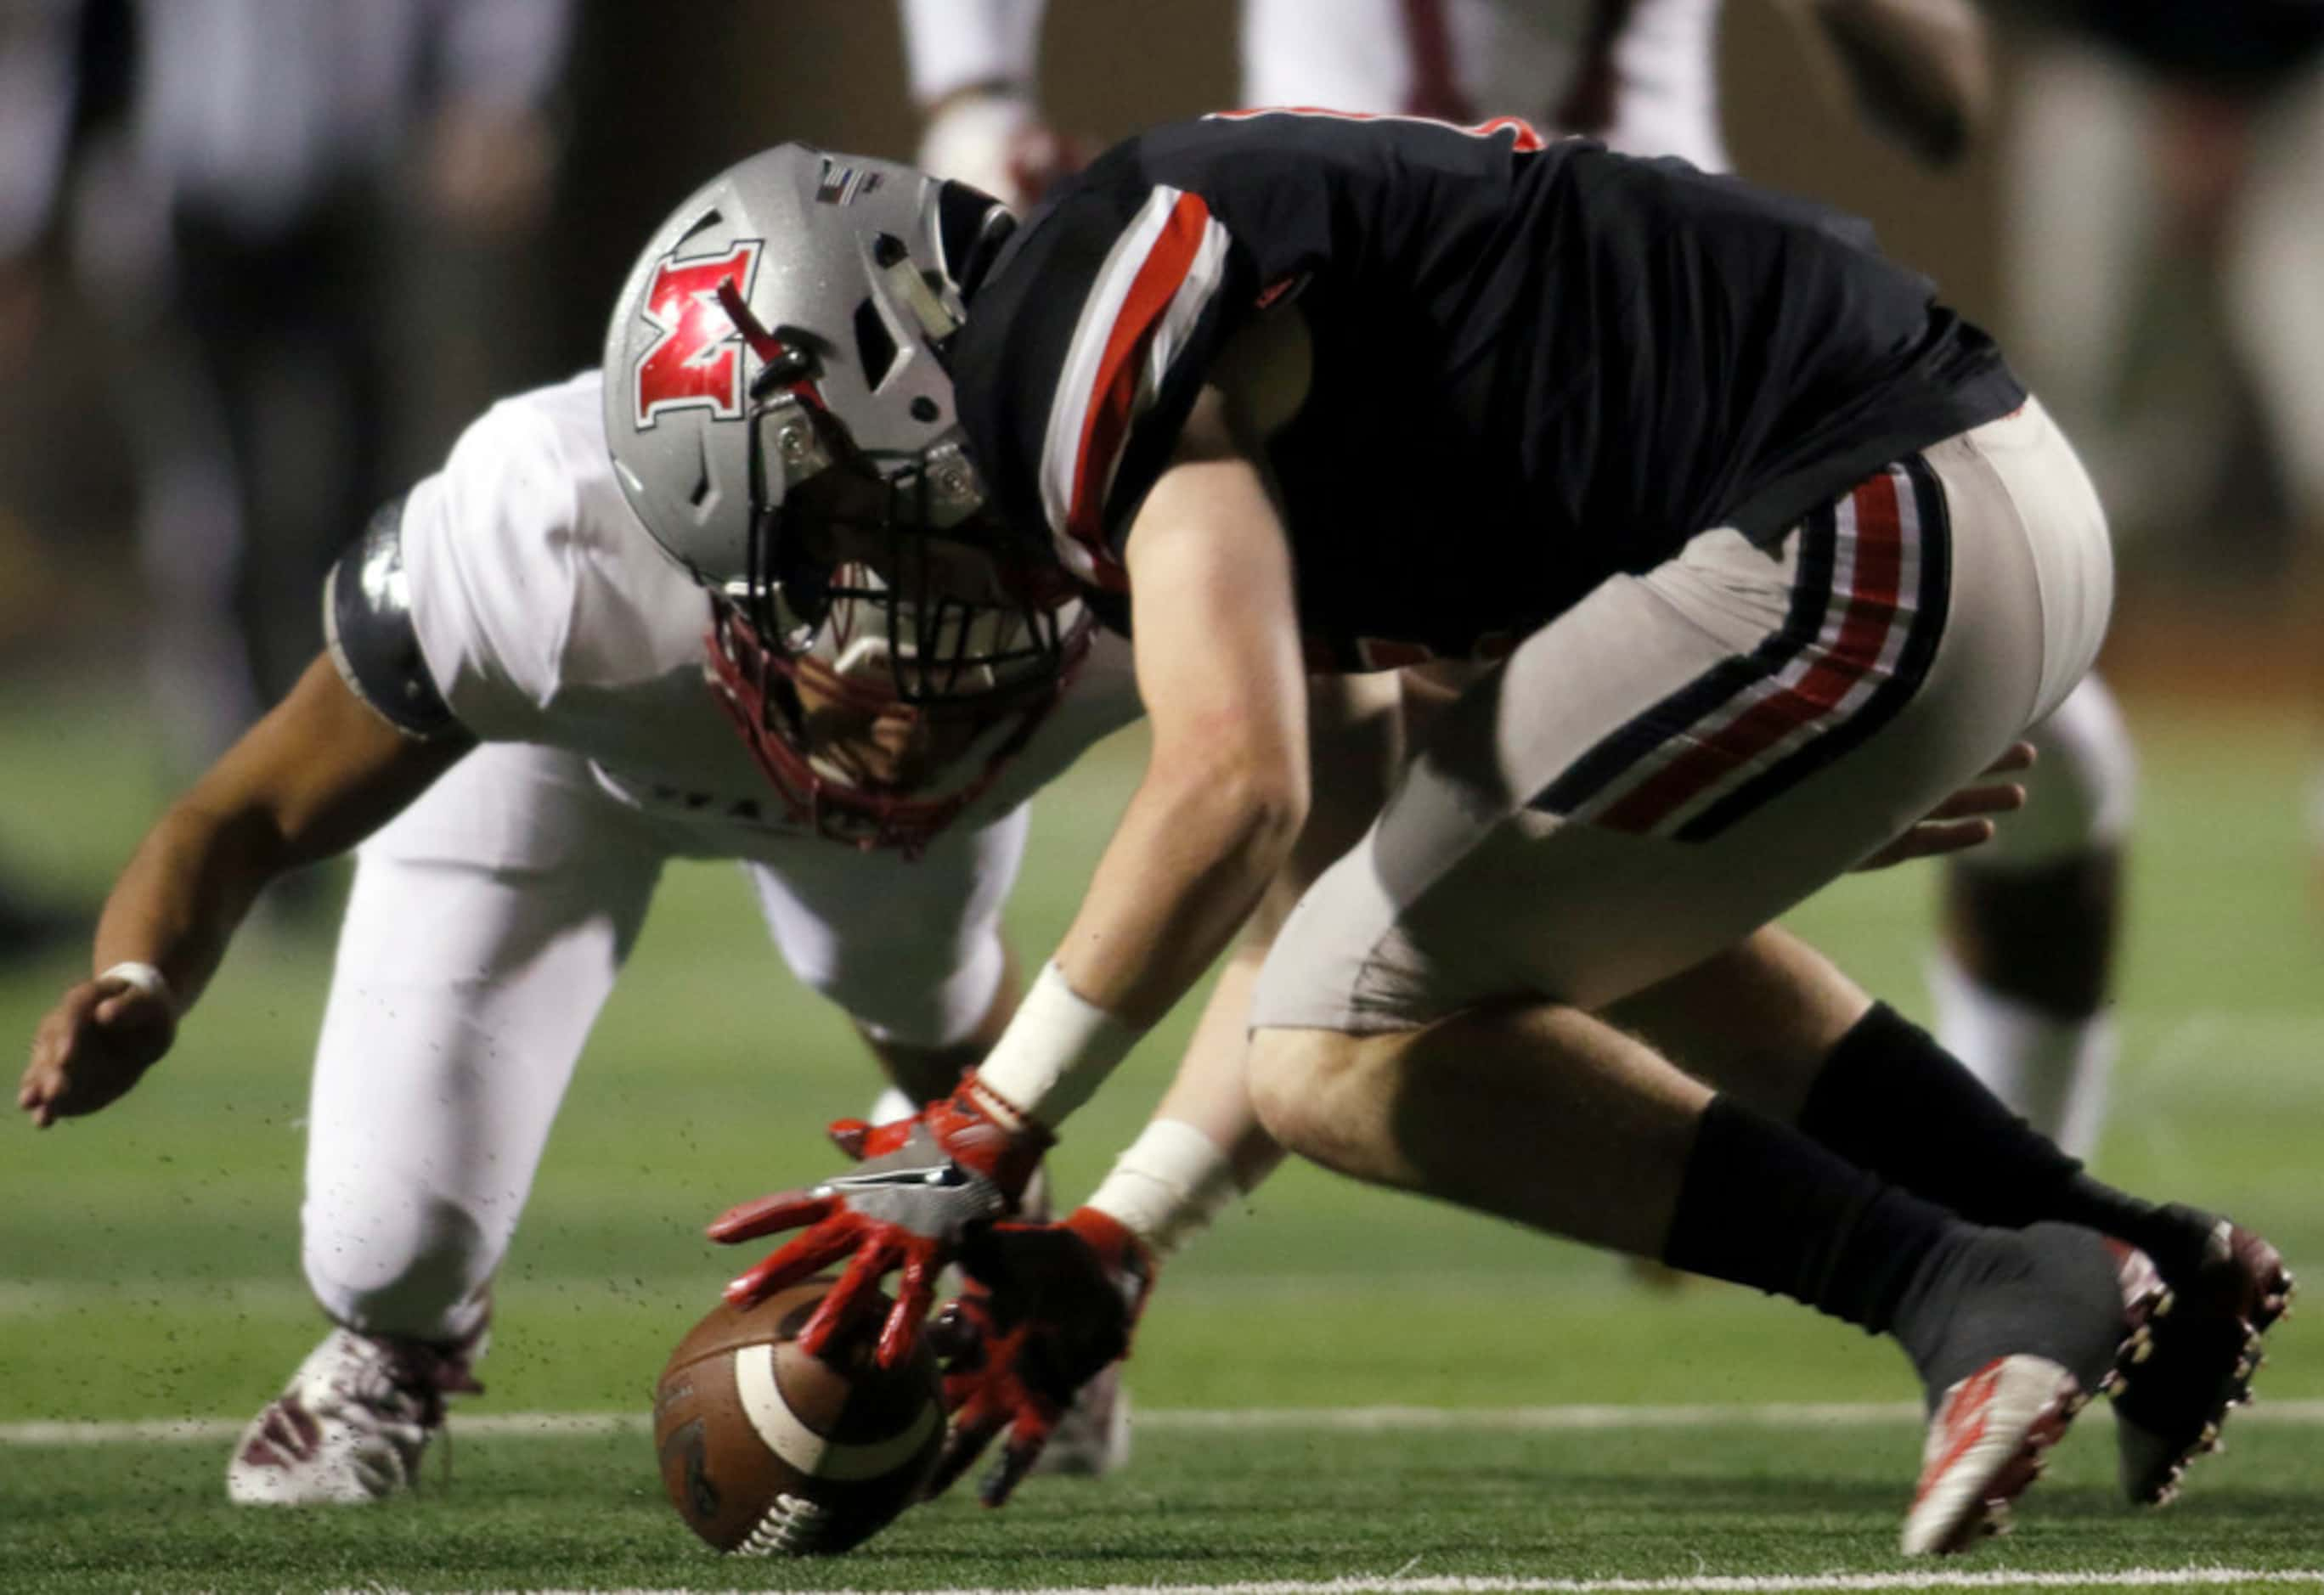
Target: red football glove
x: 1050, y: 1308
x: 922, y: 1184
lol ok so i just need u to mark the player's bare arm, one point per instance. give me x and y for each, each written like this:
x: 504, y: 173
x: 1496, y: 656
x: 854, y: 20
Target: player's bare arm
x: 312, y: 778
x: 1356, y: 737
x: 1225, y: 790
x: 1220, y: 669
x: 1212, y: 825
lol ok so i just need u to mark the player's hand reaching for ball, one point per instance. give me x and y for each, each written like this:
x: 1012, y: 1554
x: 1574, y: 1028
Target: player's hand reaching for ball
x: 93, y: 1045
x: 1049, y: 1307
x: 922, y: 1185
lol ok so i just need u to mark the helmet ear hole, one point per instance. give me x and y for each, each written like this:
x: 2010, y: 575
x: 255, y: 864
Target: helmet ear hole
x: 875, y: 345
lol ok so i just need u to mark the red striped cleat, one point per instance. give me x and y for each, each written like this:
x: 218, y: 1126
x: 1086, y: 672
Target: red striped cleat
x: 1990, y: 1430
x: 1985, y: 1449
x: 2171, y: 1404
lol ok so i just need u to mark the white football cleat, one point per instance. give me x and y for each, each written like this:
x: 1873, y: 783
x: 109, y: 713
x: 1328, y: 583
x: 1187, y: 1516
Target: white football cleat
x: 350, y: 1427
x: 1985, y: 1446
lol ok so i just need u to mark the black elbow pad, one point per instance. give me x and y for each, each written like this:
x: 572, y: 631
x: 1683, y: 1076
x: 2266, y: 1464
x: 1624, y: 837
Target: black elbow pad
x: 367, y: 622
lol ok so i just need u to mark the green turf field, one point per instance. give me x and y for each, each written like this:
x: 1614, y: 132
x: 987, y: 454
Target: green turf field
x: 148, y: 1270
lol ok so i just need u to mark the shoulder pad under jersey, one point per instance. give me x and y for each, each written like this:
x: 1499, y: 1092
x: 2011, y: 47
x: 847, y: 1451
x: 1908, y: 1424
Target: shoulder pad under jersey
x: 367, y: 622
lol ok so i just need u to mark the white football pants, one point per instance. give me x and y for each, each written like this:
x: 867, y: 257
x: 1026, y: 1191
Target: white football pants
x: 1682, y: 756
x: 484, y: 931
x: 2054, y: 1071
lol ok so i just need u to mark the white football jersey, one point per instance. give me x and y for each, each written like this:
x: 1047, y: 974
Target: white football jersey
x: 546, y: 614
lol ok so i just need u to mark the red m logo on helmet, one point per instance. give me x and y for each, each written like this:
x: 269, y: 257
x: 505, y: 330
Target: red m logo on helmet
x: 697, y: 362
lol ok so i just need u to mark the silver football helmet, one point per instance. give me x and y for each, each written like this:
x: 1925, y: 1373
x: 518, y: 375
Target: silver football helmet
x: 780, y: 418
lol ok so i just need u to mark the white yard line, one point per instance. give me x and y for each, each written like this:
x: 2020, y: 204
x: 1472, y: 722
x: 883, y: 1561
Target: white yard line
x: 1779, y: 1415
x: 554, y: 1426
x: 2133, y: 1578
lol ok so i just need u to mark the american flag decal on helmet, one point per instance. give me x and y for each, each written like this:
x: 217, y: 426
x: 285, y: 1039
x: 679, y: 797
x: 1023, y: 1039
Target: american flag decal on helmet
x: 844, y: 185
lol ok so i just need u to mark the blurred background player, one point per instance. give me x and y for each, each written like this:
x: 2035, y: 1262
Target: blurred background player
x: 2163, y: 238
x: 256, y: 184
x: 2021, y: 978
x: 2163, y: 242
x: 38, y: 102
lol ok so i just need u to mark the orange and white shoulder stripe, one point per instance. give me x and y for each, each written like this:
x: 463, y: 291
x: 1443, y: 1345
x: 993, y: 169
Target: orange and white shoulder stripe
x: 1160, y: 276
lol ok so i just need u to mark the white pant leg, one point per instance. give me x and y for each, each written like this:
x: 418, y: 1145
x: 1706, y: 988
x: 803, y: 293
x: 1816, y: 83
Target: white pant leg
x: 1376, y: 58
x: 2055, y: 1073
x: 912, y: 949
x: 1666, y: 75
x: 2080, y: 225
x: 2055, y: 1070
x: 484, y: 930
x: 1338, y: 55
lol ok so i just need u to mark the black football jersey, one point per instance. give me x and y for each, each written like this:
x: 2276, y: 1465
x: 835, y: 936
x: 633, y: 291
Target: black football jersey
x: 1536, y: 364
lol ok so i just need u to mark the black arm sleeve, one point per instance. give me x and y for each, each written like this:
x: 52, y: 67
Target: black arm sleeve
x: 367, y: 624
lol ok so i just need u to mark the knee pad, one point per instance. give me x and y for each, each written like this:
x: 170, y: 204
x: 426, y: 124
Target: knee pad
x: 915, y: 995
x: 415, y: 1266
x: 2079, y: 794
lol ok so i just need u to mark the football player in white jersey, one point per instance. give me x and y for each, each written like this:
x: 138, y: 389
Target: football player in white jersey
x: 514, y: 724
x: 513, y: 730
x: 2022, y: 982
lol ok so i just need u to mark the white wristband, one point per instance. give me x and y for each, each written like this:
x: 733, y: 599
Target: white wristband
x: 1173, y: 1182
x: 145, y: 978
x: 1054, y: 1053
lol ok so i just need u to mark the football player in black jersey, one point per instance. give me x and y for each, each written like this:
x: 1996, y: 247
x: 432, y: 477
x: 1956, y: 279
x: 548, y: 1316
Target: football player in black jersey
x: 1772, y: 554
x: 2020, y: 982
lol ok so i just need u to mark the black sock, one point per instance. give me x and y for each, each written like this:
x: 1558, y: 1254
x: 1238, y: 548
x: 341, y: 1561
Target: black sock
x: 1893, y: 1100
x: 1765, y: 1206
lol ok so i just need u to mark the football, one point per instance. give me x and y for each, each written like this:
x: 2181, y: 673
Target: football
x: 766, y: 1451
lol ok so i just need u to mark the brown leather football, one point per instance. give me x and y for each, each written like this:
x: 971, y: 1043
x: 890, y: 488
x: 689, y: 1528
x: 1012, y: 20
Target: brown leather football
x: 766, y: 1451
